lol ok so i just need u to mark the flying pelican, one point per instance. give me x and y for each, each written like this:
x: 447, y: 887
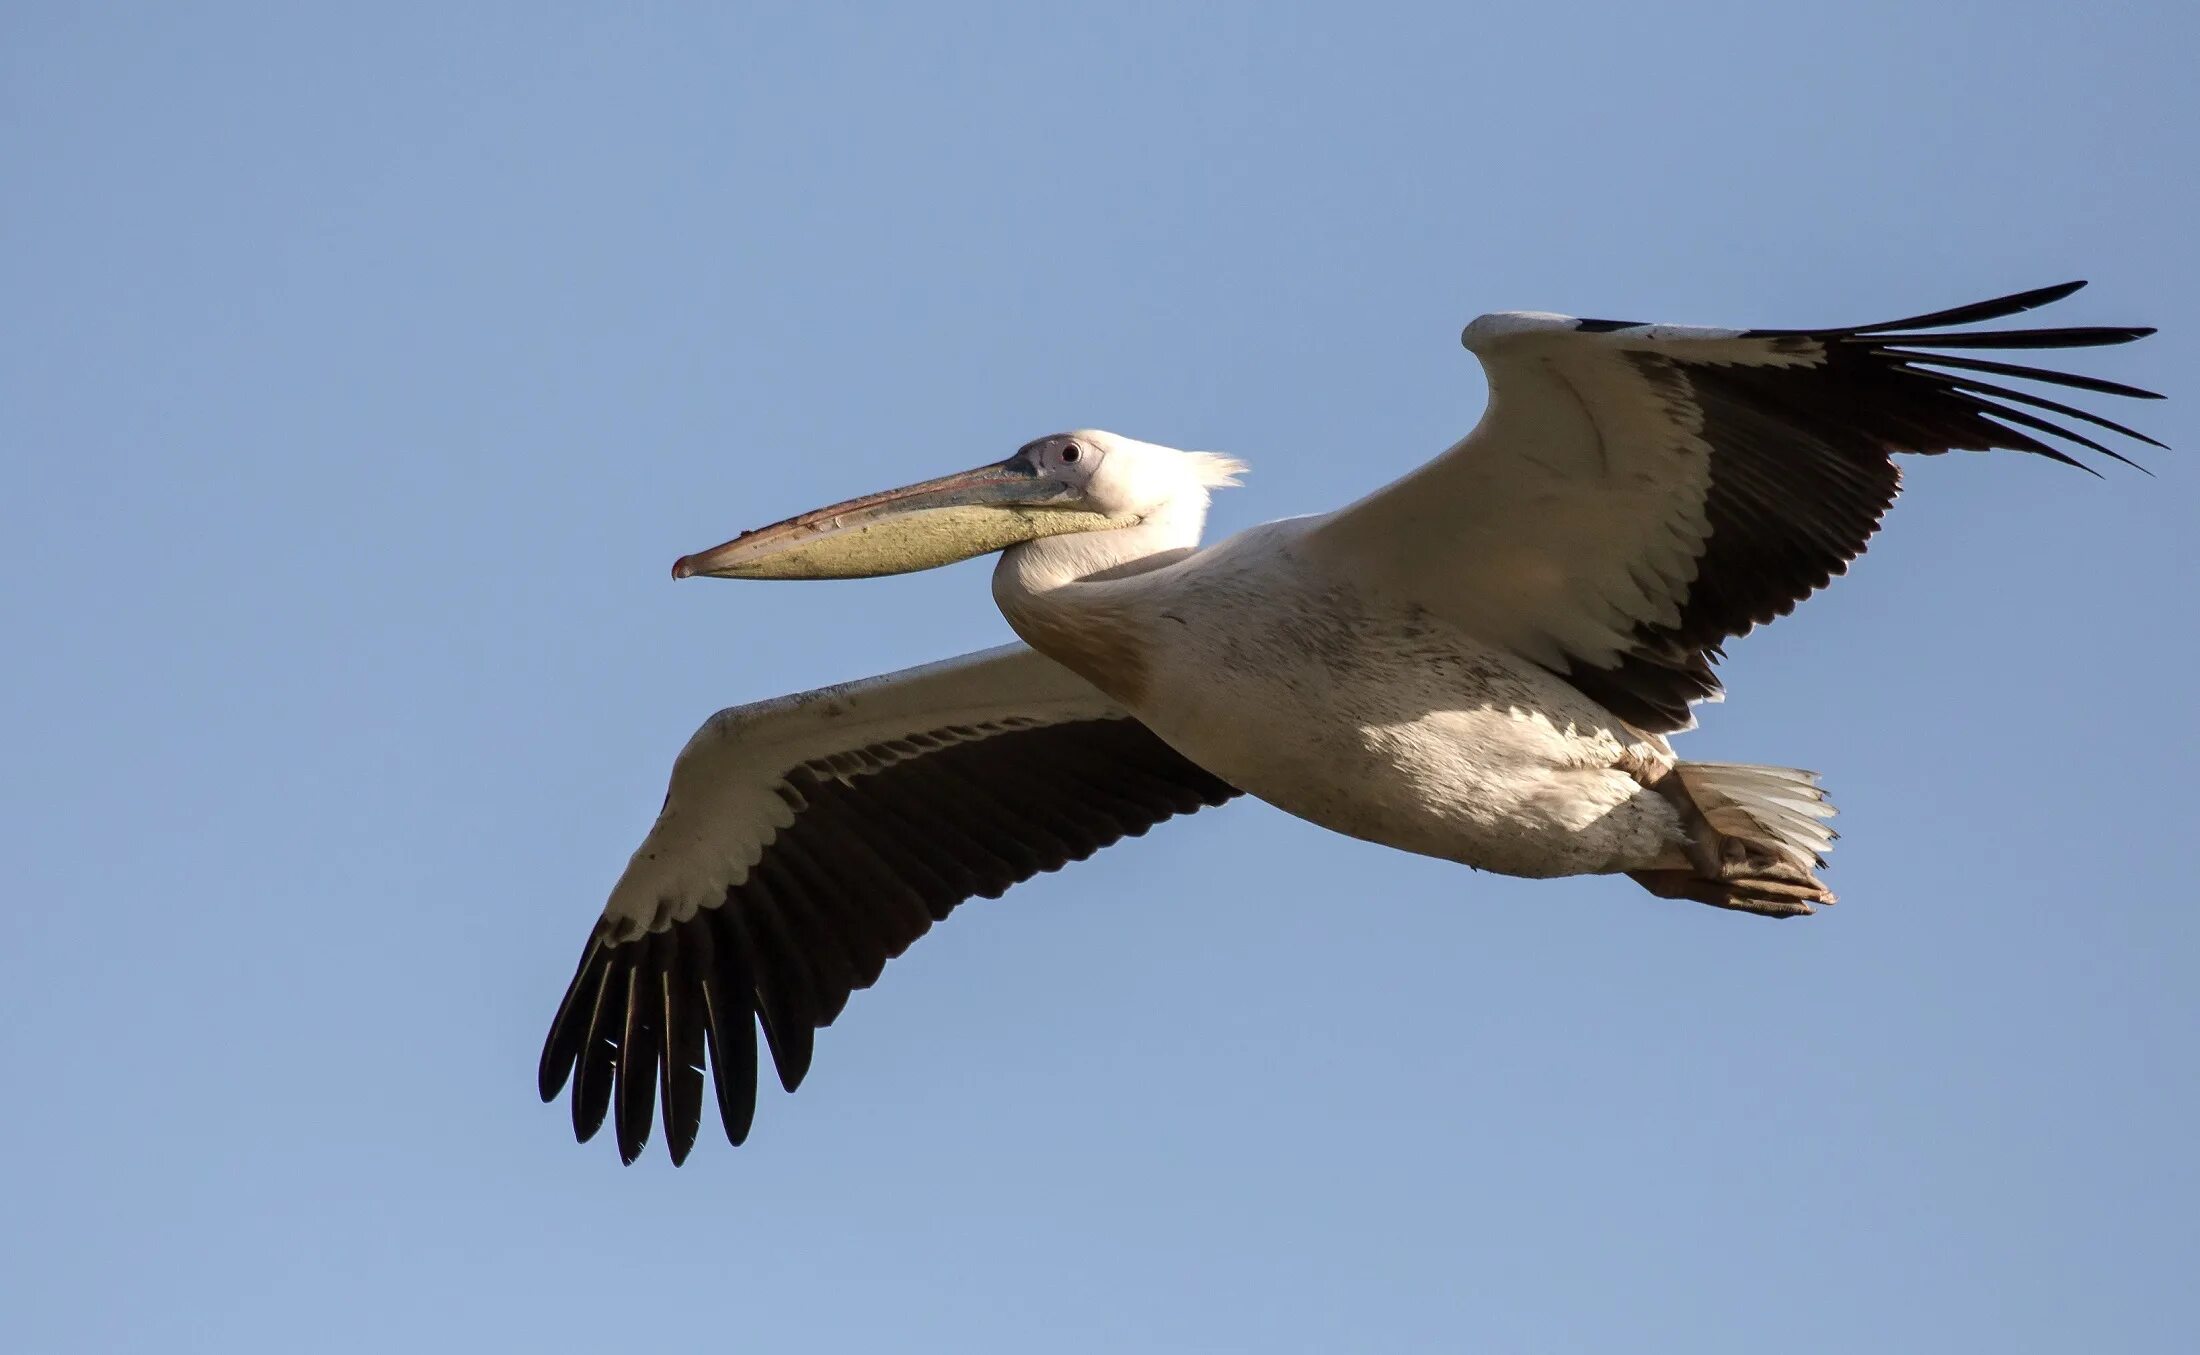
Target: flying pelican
x: 1480, y: 662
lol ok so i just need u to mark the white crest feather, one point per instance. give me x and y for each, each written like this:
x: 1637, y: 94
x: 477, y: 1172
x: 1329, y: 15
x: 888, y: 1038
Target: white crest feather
x: 1214, y: 470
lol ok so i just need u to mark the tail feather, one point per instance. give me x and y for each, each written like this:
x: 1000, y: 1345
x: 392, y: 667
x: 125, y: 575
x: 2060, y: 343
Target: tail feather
x: 1756, y: 834
x: 1780, y: 808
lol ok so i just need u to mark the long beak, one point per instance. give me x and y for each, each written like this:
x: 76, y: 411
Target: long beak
x: 920, y: 526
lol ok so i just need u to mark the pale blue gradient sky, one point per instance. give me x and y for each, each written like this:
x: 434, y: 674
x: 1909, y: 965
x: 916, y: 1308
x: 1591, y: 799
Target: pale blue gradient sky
x: 362, y: 377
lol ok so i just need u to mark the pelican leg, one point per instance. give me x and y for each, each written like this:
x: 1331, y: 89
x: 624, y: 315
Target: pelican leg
x: 1764, y: 897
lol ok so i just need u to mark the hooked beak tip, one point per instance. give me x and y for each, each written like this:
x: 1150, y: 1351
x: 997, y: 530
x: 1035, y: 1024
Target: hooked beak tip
x: 684, y: 567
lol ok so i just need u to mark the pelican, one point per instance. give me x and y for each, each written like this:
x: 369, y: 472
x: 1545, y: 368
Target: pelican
x: 1481, y: 662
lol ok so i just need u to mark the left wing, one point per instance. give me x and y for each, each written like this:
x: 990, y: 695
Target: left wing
x: 1636, y: 495
x: 806, y: 841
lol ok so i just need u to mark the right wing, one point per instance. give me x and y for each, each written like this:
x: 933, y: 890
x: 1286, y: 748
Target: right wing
x: 1638, y: 495
x: 806, y: 841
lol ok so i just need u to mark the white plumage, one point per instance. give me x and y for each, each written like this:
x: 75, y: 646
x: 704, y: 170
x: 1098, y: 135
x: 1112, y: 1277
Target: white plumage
x: 1480, y: 662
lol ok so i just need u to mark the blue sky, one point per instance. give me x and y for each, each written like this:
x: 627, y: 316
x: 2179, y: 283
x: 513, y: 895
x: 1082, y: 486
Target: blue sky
x: 363, y: 375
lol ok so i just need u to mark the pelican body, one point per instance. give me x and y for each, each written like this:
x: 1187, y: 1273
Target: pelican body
x: 1482, y: 662
x: 1353, y: 710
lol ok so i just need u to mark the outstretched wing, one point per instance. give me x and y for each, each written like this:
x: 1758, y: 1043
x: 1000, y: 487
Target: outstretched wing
x: 808, y: 840
x: 1636, y: 495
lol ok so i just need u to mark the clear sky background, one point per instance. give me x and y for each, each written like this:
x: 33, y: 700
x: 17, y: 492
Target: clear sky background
x: 363, y: 375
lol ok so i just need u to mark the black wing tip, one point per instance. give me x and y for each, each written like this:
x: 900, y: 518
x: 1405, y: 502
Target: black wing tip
x: 793, y: 1065
x: 1903, y: 349
x: 624, y: 1043
x: 1975, y: 387
x: 728, y: 1011
x: 1992, y: 308
x: 2044, y: 375
x: 2037, y: 297
x: 561, y: 1046
x: 2073, y: 336
x: 1971, y: 313
x: 550, y: 1078
x: 634, y: 1106
x: 1997, y: 308
x: 1977, y: 312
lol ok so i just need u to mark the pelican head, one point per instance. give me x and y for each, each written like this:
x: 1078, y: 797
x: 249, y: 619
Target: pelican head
x: 1087, y: 481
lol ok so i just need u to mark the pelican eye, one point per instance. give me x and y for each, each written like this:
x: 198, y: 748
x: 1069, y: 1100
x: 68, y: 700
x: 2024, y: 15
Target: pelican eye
x: 1071, y: 453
